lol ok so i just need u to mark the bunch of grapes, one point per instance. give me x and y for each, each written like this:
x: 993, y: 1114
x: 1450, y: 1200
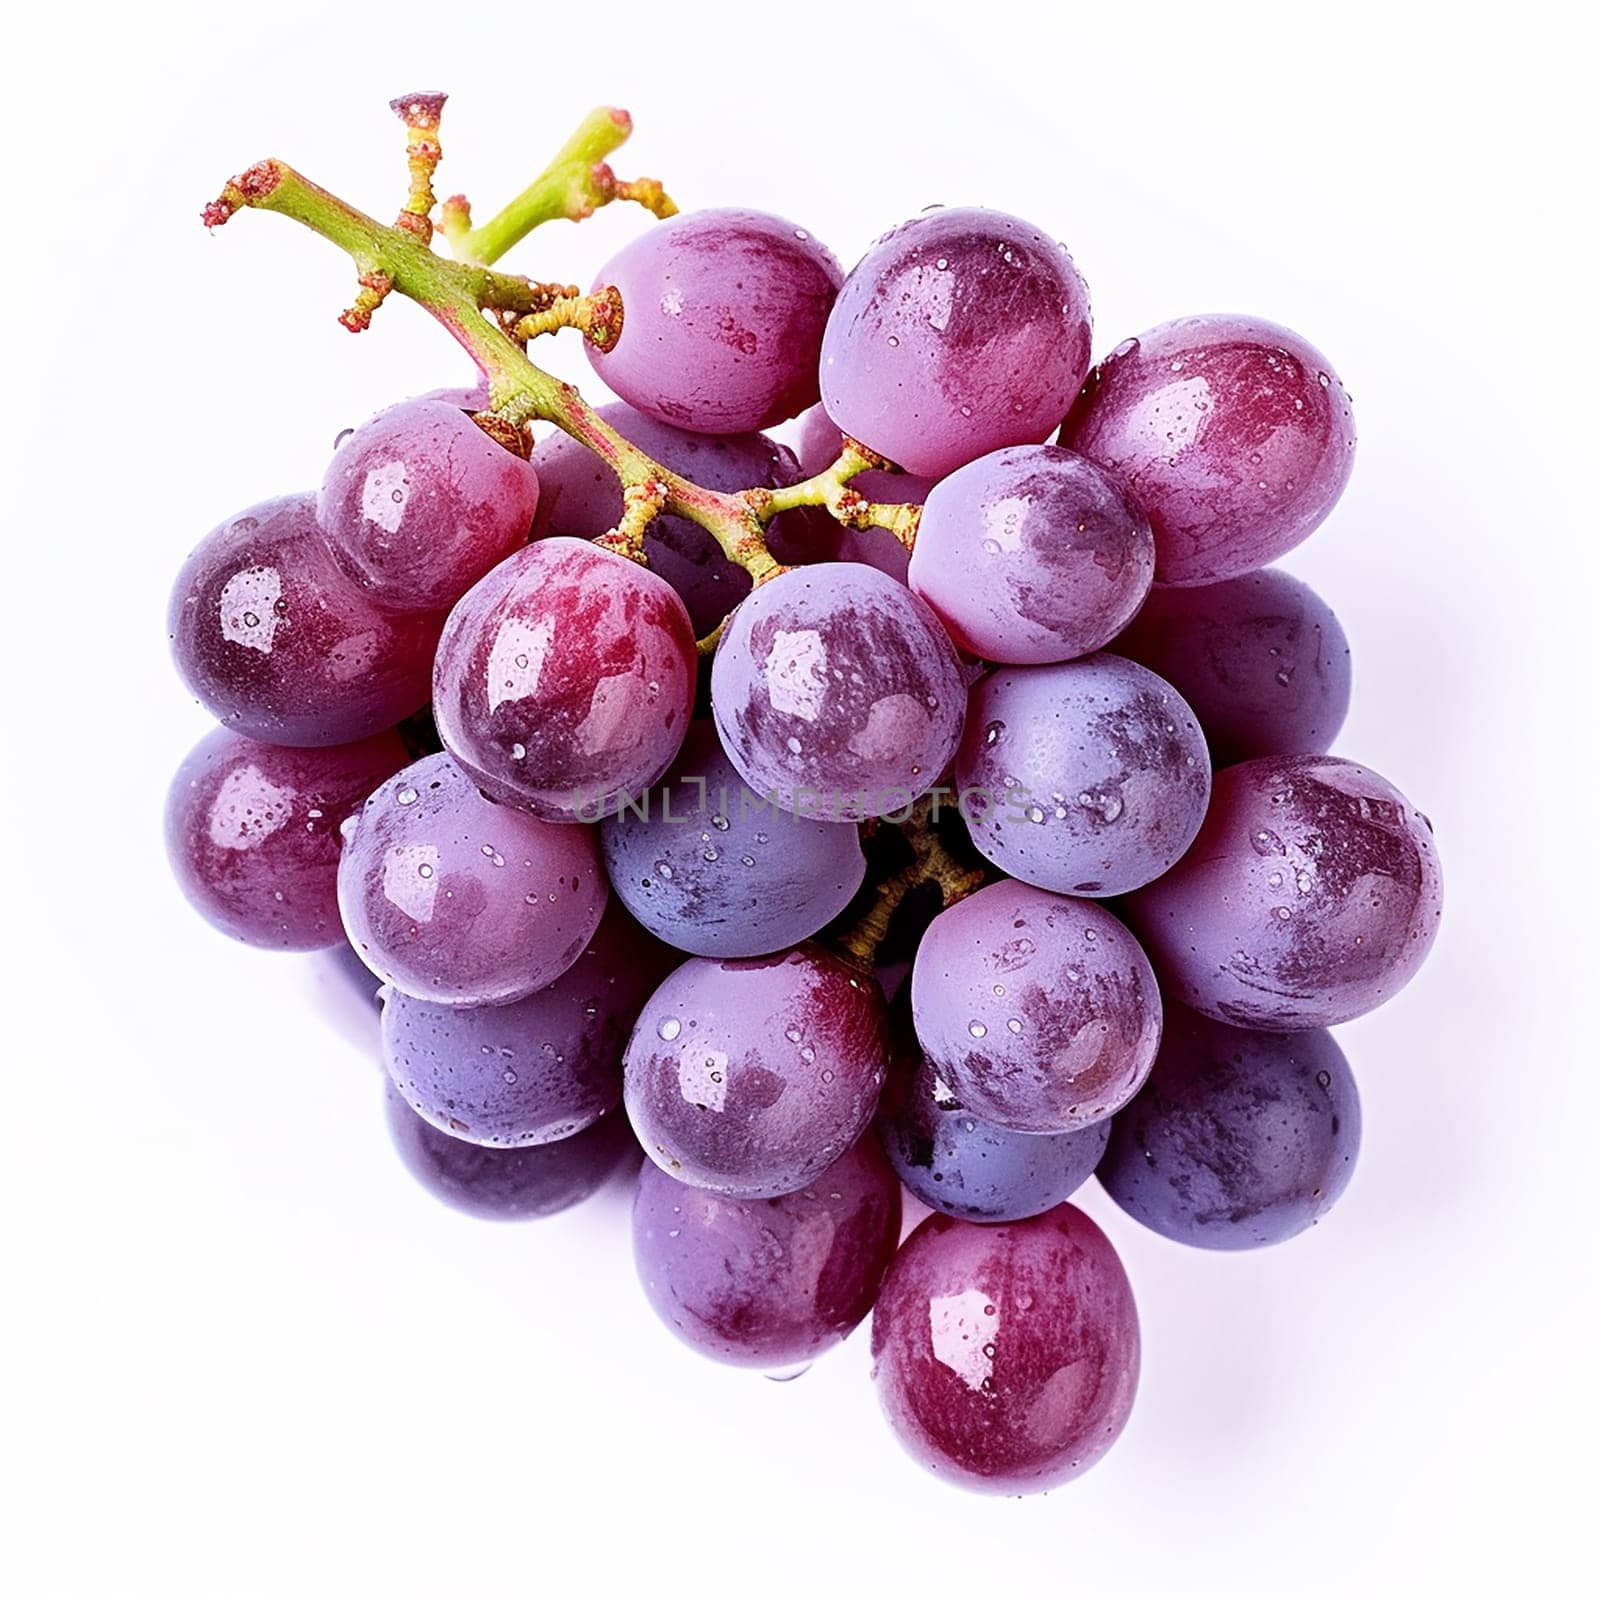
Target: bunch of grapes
x: 675, y: 810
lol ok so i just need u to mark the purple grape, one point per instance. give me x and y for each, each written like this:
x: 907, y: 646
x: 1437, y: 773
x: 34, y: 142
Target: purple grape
x: 723, y: 318
x: 1007, y: 1357
x: 278, y: 644
x: 253, y: 833
x: 1234, y: 434
x: 1311, y: 896
x: 752, y: 1077
x: 452, y: 898
x: 538, y: 1069
x: 1032, y: 555
x: 837, y: 693
x: 1261, y: 659
x: 419, y: 503
x: 1090, y: 777
x: 964, y: 1167
x: 958, y: 333
x: 580, y: 496
x: 565, y: 680
x: 1238, y: 1139
x: 768, y: 1283
x: 509, y: 1185
x: 1040, y: 1012
x: 713, y: 868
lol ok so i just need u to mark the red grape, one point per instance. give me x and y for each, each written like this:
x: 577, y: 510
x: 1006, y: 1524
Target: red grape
x: 1032, y: 554
x: 253, y: 833
x: 278, y: 644
x: 1234, y: 434
x: 837, y: 693
x: 452, y: 898
x: 1040, y: 1012
x: 565, y: 680
x: 419, y: 502
x: 1261, y: 659
x: 768, y: 1283
x: 1311, y: 895
x: 723, y: 319
x: 1089, y: 777
x: 957, y: 333
x: 751, y: 1077
x: 537, y: 1069
x: 1006, y: 1357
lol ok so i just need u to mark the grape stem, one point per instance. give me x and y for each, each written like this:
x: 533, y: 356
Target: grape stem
x: 831, y: 489
x: 930, y: 863
x: 575, y: 185
x: 491, y: 314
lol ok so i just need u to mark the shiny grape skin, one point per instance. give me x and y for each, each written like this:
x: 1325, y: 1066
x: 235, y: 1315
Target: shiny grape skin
x: 1238, y: 1139
x: 1031, y: 555
x: 837, y: 692
x: 252, y: 833
x: 278, y: 644
x: 752, y: 1077
x: 500, y: 1185
x: 565, y: 680
x: 419, y: 503
x: 1089, y: 777
x: 1311, y: 896
x: 535, y: 1070
x: 1040, y: 1012
x: 1261, y: 659
x: 959, y: 332
x: 1235, y: 435
x: 723, y: 318
x: 717, y: 870
x: 768, y: 1283
x: 454, y: 899
x: 581, y: 497
x: 1006, y: 1357
x: 967, y: 1168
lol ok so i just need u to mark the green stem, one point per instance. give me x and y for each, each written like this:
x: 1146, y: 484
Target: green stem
x: 573, y: 186
x: 456, y: 293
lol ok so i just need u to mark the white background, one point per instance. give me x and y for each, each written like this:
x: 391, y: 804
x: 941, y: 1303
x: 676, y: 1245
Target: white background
x: 246, y: 1355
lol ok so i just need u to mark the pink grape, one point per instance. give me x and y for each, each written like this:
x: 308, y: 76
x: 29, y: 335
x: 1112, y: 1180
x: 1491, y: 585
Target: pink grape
x: 837, y: 693
x: 1090, y: 777
x: 565, y: 680
x: 537, y: 1069
x: 454, y: 899
x: 580, y: 496
x: 1261, y: 659
x: 1006, y: 1357
x: 723, y: 318
x: 1031, y: 555
x: 509, y: 1185
x: 419, y: 503
x: 1040, y: 1012
x: 752, y: 1077
x: 253, y: 833
x: 959, y: 332
x: 1238, y: 1139
x: 768, y: 1283
x: 278, y: 644
x: 1311, y: 896
x: 1235, y: 435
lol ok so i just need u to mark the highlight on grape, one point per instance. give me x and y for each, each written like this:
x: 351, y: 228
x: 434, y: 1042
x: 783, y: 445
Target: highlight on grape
x: 940, y: 803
